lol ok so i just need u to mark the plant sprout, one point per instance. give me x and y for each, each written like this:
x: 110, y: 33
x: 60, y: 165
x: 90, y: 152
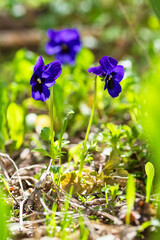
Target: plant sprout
x: 149, y: 168
x: 130, y: 197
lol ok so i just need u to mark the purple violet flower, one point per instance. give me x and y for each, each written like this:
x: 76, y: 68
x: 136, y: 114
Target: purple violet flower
x: 111, y: 73
x: 44, y: 77
x: 65, y: 44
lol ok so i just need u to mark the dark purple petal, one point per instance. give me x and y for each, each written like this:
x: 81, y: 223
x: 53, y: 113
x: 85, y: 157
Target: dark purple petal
x: 51, y: 73
x: 39, y: 65
x: 38, y: 69
x: 51, y: 48
x: 69, y: 35
x: 34, y: 78
x: 54, y: 36
x: 118, y: 73
x: 113, y: 87
x: 66, y: 57
x: 77, y: 47
x: 108, y: 64
x: 96, y: 70
x: 51, y: 33
x: 65, y: 36
x: 65, y: 44
x: 41, y: 93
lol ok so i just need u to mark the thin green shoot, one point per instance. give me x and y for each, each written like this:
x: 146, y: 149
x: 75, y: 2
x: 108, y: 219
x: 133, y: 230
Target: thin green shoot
x: 149, y: 168
x: 3, y: 225
x: 82, y: 160
x: 83, y: 230
x: 130, y: 197
x: 6, y: 186
x: 52, y: 132
x: 144, y: 225
x: 51, y: 228
x: 114, y: 191
x: 62, y: 132
x: 106, y: 194
x: 64, y: 222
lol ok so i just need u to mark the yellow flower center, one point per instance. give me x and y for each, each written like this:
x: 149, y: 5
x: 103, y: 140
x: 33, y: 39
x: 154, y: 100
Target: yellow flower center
x: 39, y: 81
x: 110, y: 77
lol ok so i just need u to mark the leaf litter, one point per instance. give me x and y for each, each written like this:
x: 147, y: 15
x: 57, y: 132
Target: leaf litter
x: 36, y: 202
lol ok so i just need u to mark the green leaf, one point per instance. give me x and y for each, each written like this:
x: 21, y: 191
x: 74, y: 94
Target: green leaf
x: 41, y: 150
x: 15, y: 119
x: 64, y: 126
x: 156, y: 6
x: 144, y: 225
x: 113, y: 162
x: 3, y: 103
x: 3, y: 226
x: 71, y: 179
x: 130, y: 196
x: 23, y: 59
x: 55, y: 169
x: 45, y: 134
x: 121, y: 172
x: 5, y: 183
x: 85, y: 58
x: 73, y: 151
x: 149, y: 168
x: 69, y: 112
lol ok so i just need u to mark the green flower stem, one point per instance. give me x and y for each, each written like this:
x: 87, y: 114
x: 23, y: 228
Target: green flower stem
x: 52, y: 133
x: 88, y: 130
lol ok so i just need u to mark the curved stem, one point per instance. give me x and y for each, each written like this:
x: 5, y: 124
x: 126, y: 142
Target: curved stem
x: 52, y: 133
x: 88, y: 130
